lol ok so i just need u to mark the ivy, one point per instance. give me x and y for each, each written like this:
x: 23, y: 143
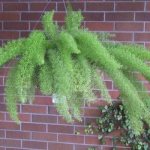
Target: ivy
x: 113, y: 118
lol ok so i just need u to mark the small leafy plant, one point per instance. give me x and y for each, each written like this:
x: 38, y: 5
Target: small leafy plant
x: 67, y: 62
x: 113, y: 118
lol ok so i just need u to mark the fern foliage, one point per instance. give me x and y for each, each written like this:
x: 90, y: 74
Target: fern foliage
x: 68, y: 62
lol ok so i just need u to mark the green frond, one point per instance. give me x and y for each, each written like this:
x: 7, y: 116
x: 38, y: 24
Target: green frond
x: 129, y: 60
x: 46, y: 79
x: 83, y: 78
x: 99, y: 83
x: 138, y: 50
x: 61, y: 82
x: 35, y: 46
x: 67, y: 44
x: 50, y: 28
x: 142, y: 92
x: 91, y: 48
x: 73, y: 20
x: 11, y: 50
x: 63, y: 107
x: 11, y: 96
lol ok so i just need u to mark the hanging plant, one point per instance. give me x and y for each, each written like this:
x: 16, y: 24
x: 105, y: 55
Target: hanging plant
x: 67, y: 63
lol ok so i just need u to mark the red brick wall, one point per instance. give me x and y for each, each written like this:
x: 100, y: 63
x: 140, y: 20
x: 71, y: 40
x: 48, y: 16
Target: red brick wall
x: 41, y: 126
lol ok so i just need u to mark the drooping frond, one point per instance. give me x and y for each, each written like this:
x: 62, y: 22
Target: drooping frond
x: 61, y: 84
x: 11, y: 50
x: 138, y: 50
x: 11, y: 96
x: 99, y: 83
x: 129, y: 60
x: 91, y: 48
x: 67, y: 44
x: 46, y: 79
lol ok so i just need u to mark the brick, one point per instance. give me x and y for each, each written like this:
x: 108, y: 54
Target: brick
x: 44, y: 136
x: 80, y: 129
x: 1, y: 98
x: 114, y: 94
x: 142, y: 16
x: 25, y: 117
x: 91, y: 139
x: 110, y: 148
x: 1, y: 81
x: 52, y: 110
x: 99, y: 26
x: 60, y: 129
x: 2, y: 133
x: 119, y: 16
x: 91, y: 112
x: 98, y: 103
x: 2, y: 116
x: 1, y: 6
x: 129, y: 6
x: 88, y: 120
x: 34, y: 144
x: 59, y: 16
x: 147, y: 86
x: 60, y: 146
x: 9, y: 35
x: 0, y: 25
x: 75, y: 6
x: 61, y: 120
x: 2, y: 92
x: 1, y: 42
x: 15, y: 25
x: 85, y: 147
x: 119, y: 36
x: 12, y: 143
x: 30, y: 16
x: 41, y: 6
x: 147, y: 45
x: 147, y: 26
x: 36, y: 25
x: 99, y: 6
x: 108, y: 84
x: 9, y: 125
x: 9, y: 16
x: 2, y: 107
x: 4, y: 72
x: 22, y: 117
x: 93, y: 16
x: 17, y: 135
x: 71, y: 138
x: 142, y: 37
x: 25, y: 34
x: 42, y: 100
x: 147, y: 6
x: 15, y: 149
x: 33, y: 127
x: 15, y: 6
x: 34, y: 109
x: 129, y: 26
x: 44, y: 118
